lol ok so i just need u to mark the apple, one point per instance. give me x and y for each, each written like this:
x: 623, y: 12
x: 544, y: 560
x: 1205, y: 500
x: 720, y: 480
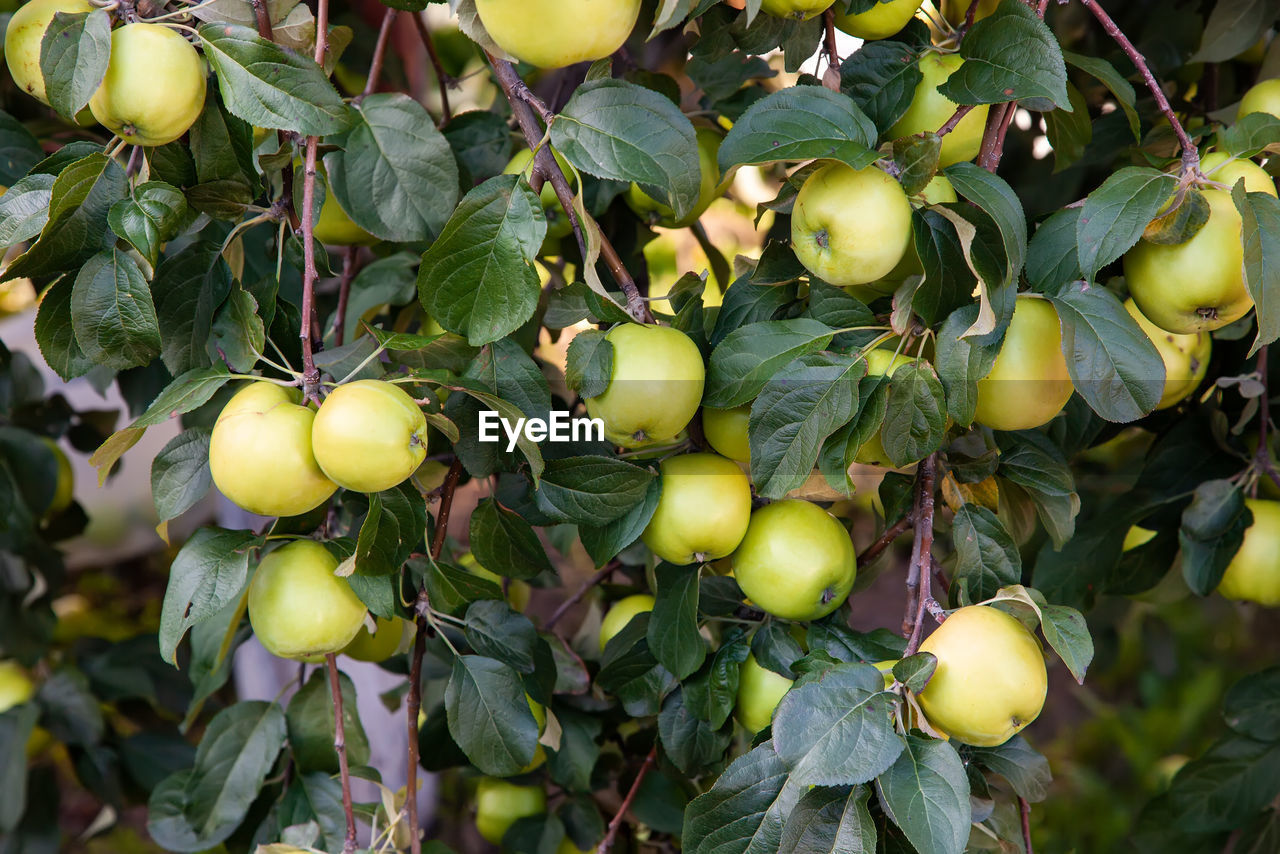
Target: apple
x: 369, y: 435
x: 703, y: 512
x: 566, y: 846
x: 930, y: 109
x: 1196, y: 286
x: 655, y: 388
x: 1186, y: 357
x: 726, y: 431
x: 850, y: 226
x: 334, y: 228
x: 556, y: 33
x: 298, y: 608
x: 260, y: 452
x: 382, y: 644
x: 880, y: 363
x: 938, y: 191
x: 499, y: 804
x: 1254, y: 573
x: 711, y: 188
x: 23, y: 37
x: 1028, y: 384
x: 1219, y: 166
x: 955, y: 10
x: 799, y: 10
x: 796, y: 560
x: 1264, y: 97
x: 66, y: 484
x: 16, y: 296
x: 518, y: 592
x: 1137, y: 536
x: 620, y: 613
x: 760, y: 690
x: 880, y: 21
x: 558, y: 222
x: 990, y: 681
x: 16, y: 686
x: 154, y: 87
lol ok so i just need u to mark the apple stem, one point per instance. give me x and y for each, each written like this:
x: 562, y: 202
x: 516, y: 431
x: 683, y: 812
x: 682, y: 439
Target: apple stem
x: 616, y: 822
x: 443, y: 81
x: 831, y: 79
x: 340, y: 745
x: 919, y: 576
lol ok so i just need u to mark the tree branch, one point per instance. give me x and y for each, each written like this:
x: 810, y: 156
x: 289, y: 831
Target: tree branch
x: 831, y: 77
x: 310, y: 374
x: 959, y: 114
x: 890, y: 534
x: 564, y: 606
x: 919, y: 574
x: 443, y: 81
x: 1024, y: 810
x: 379, y: 55
x: 350, y: 266
x: 992, y: 149
x: 340, y: 745
x: 616, y: 823
x: 263, y: 17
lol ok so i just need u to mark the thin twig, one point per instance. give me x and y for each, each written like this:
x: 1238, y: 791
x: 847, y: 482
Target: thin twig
x: 919, y: 575
x: 993, y: 136
x: 263, y: 16
x: 616, y: 823
x: 890, y: 534
x: 340, y: 745
x: 350, y: 266
x: 379, y: 55
x: 567, y: 604
x: 446, y: 502
x: 310, y: 374
x: 1024, y: 808
x: 959, y: 114
x: 443, y: 81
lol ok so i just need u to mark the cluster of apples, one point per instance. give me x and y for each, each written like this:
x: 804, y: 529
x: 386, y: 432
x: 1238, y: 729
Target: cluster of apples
x: 154, y: 86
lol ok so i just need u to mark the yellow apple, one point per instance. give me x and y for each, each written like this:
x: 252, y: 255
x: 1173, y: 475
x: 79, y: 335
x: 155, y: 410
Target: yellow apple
x: 991, y: 679
x: 22, y: 41
x: 66, y: 485
x: 760, y: 690
x: 260, y: 453
x: 16, y: 296
x: 1137, y: 536
x: 298, y: 608
x: 369, y: 435
x: 1264, y: 97
x: 1196, y: 286
x: 558, y: 222
x: 620, y: 613
x: 154, y: 87
x: 711, y: 188
x: 703, y: 511
x: 880, y: 21
x: 1218, y: 166
x: 938, y: 191
x: 1186, y: 357
x: 796, y: 560
x: 1254, y: 573
x: 655, y: 388
x: 380, y: 645
x: 955, y: 10
x: 726, y: 431
x: 930, y: 109
x: 518, y: 592
x: 556, y: 33
x: 499, y: 804
x: 850, y: 226
x: 16, y: 686
x: 1029, y: 383
x: 880, y: 362
x: 800, y: 10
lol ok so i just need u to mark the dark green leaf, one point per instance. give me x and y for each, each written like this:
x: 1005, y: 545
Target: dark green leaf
x: 494, y: 630
x: 673, y: 627
x: 505, y: 543
x: 210, y: 570
x: 591, y: 490
x: 1115, y: 215
x: 590, y: 363
x: 392, y: 530
x: 1026, y: 770
x: 1011, y: 55
x: 831, y: 821
x: 744, y: 812
x: 800, y: 123
x: 180, y: 473
x: 916, y: 420
x: 310, y: 724
x: 1252, y: 706
x: 1065, y: 630
x: 926, y: 793
x: 1213, y: 527
x: 489, y: 716
x: 746, y: 358
x: 73, y: 58
x: 690, y: 742
x: 1260, y: 217
x: 987, y: 558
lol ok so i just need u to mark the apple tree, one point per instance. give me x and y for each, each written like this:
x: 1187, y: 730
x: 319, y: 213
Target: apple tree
x: 968, y: 319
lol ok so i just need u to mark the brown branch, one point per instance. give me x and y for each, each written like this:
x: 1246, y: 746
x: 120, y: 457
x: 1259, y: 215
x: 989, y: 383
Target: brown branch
x: 263, y: 16
x: 567, y: 604
x: 340, y: 745
x: 919, y: 575
x: 379, y: 55
x: 959, y: 114
x: 350, y: 266
x: 890, y: 534
x: 616, y: 823
x: 446, y: 502
x: 310, y: 374
x: 443, y: 81
x: 992, y: 149
x: 1024, y: 809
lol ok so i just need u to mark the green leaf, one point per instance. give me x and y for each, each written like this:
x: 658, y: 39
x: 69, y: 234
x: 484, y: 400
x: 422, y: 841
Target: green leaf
x: 618, y: 130
x: 1213, y: 527
x: 392, y: 530
x: 16, y: 726
x: 591, y: 490
x: 149, y: 218
x: 1069, y: 131
x: 188, y: 288
x: 747, y: 357
x: 238, y: 332
x: 1026, y: 770
x: 180, y: 473
x: 712, y: 693
x: 926, y: 793
x: 775, y: 648
x: 1252, y: 706
x: 1032, y: 461
x: 226, y: 179
x: 24, y: 209
x: 112, y: 313
x: 505, y: 543
x: 1260, y: 219
x: 987, y: 558
x: 962, y: 361
x: 1253, y: 134
x: 69, y: 708
x: 269, y: 87
x: 589, y: 367
x: 915, y: 671
x: 844, y: 644
x: 916, y: 421
x: 55, y: 335
x: 73, y: 58
x: 395, y: 174
x: 744, y: 812
x: 488, y: 715
x: 691, y: 743
x: 748, y: 302
x: 571, y: 765
x: 478, y: 278
x: 831, y: 821
x: 310, y: 723
x: 673, y: 626
x: 1052, y: 256
x: 1223, y: 788
x: 881, y: 77
x: 1065, y: 630
x: 1116, y: 84
x: 994, y: 196
x: 452, y: 589
x: 1115, y: 215
x: 1233, y: 27
x: 236, y: 752
x: 800, y: 123
x: 1011, y: 55
x: 210, y: 570
x: 603, y: 542
x: 19, y: 150
x: 494, y: 630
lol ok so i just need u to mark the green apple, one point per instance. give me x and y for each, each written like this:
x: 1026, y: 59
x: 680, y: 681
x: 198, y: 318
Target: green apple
x: 1254, y: 573
x: 558, y: 222
x: 334, y: 228
x: 955, y: 10
x: 154, y: 87
x: 298, y: 608
x: 620, y: 613
x: 382, y: 644
x: 1220, y: 167
x: 260, y: 452
x: 655, y: 388
x: 990, y: 681
x: 1264, y: 97
x: 799, y: 10
x: 796, y: 560
x: 726, y: 431
x: 1028, y: 384
x: 880, y: 21
x: 518, y: 592
x: 556, y: 33
x: 16, y: 686
x: 1186, y: 357
x: 499, y: 804
x: 850, y: 226
x: 1137, y: 536
x: 66, y: 484
x: 369, y: 435
x: 1196, y: 286
x: 703, y: 511
x: 880, y: 363
x: 23, y: 37
x: 760, y: 690
x: 711, y: 188
x: 930, y: 110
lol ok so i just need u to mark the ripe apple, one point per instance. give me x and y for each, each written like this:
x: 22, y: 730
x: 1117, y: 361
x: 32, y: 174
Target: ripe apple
x: 850, y: 226
x: 558, y: 222
x: 991, y: 679
x: 930, y: 110
x: 556, y: 33
x: 760, y: 690
x: 1264, y: 97
x: 880, y: 362
x: 703, y: 511
x: 66, y: 485
x: 1186, y: 357
x: 655, y: 388
x: 380, y: 645
x: 16, y: 686
x: 499, y: 804
x: 22, y: 41
x: 1196, y: 286
x: 298, y: 608
x: 938, y: 191
x: 518, y: 592
x: 1254, y: 573
x: 799, y: 10
x: 1218, y: 166
x: 260, y: 452
x: 880, y: 21
x: 154, y: 87
x: 1029, y: 383
x: 369, y: 435
x: 796, y: 560
x: 620, y: 613
x: 711, y: 188
x: 955, y: 10
x: 726, y: 431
